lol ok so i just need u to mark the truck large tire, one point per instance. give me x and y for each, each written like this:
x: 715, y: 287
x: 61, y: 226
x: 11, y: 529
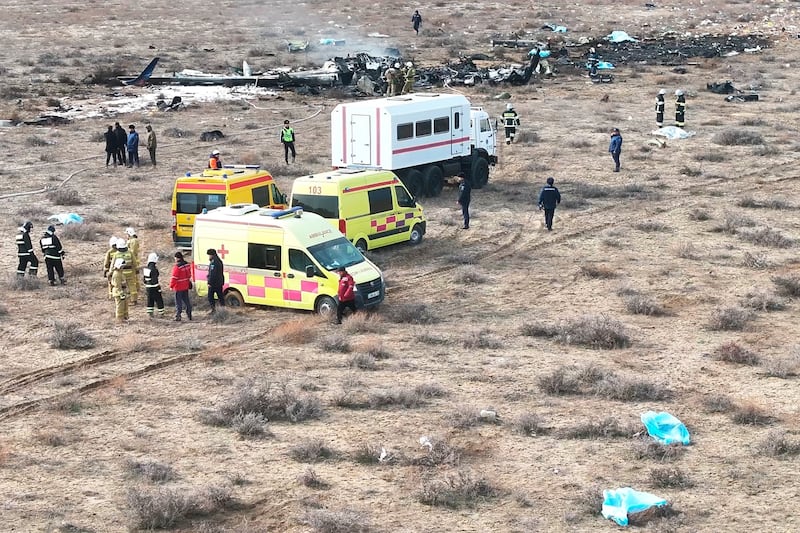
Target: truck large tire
x: 414, y: 183
x: 434, y: 181
x: 480, y: 173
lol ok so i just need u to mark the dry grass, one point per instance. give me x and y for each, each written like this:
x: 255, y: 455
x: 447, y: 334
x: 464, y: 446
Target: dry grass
x: 154, y: 471
x: 751, y: 414
x: 737, y: 137
x: 411, y: 313
x: 311, y: 451
x: 164, y: 508
x: 311, y: 479
x: 718, y: 403
x: 594, y: 331
x: 597, y: 272
x: 782, y: 366
x: 766, y: 237
x: 456, y: 490
x: 650, y: 449
x: 65, y: 196
x: 733, y: 352
x: 342, y: 521
x: 763, y: 301
x: 606, y: 428
x: 297, y: 331
x: 787, y: 285
x: 730, y: 319
x: 335, y: 343
x: 757, y: 262
x: 777, y: 443
x: 640, y: 304
x: 593, y: 380
x: 70, y: 336
x: 529, y: 425
x: 670, y: 478
x: 364, y: 323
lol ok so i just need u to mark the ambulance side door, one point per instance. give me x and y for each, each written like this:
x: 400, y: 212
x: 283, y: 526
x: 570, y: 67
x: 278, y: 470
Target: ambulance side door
x: 264, y: 277
x: 382, y: 215
x: 300, y: 290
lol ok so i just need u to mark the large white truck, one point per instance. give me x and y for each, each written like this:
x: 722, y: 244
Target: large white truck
x: 424, y: 138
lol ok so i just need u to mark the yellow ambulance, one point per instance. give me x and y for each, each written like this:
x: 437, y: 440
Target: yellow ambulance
x: 210, y: 189
x: 371, y: 207
x: 281, y: 258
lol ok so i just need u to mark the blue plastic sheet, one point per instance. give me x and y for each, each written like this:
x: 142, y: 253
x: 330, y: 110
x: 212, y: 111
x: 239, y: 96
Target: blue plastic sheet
x: 67, y: 218
x: 617, y: 36
x: 665, y: 428
x: 619, y: 503
x: 544, y: 53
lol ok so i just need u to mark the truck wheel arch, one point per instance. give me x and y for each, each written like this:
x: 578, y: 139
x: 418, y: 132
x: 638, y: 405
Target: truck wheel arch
x: 433, y: 179
x: 233, y: 298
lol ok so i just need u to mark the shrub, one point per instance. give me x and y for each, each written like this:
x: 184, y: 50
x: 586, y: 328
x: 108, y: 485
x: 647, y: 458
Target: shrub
x: 730, y: 319
x: 363, y: 323
x: 343, y: 521
x: 35, y: 140
x: 250, y: 425
x: 311, y: 451
x: 787, y: 285
x: 465, y: 416
x: 368, y: 454
x: 589, y: 501
x: 412, y: 314
x: 650, y: 226
x: 69, y: 404
x: 782, y: 367
x: 374, y: 348
x: 529, y: 425
x: 597, y: 271
x: 482, y: 340
x: 767, y: 237
x: 223, y: 316
x: 469, y: 275
x: 456, y: 490
x: 158, y: 509
x: 731, y: 222
x: 310, y: 479
x: 440, y: 453
x: 629, y: 389
x: 750, y: 414
x: 732, y: 352
x: 177, y: 133
x: 363, y: 361
x: 539, y: 330
x: 595, y: 331
x: 395, y: 398
x: 20, y: 283
x: 650, y: 449
x: 151, y: 470
x: 65, y: 196
x: 712, y: 157
x: 273, y: 400
x: 778, y: 444
x: 559, y: 382
x: 737, y: 137
x: 606, y: 428
x: 670, y: 477
x: 763, y: 301
x: 296, y: 332
x: 758, y: 262
x: 79, y: 232
x: 336, y: 342
x: 430, y: 390
x: 718, y: 403
x: 640, y: 304
x: 69, y: 336
x: 699, y: 215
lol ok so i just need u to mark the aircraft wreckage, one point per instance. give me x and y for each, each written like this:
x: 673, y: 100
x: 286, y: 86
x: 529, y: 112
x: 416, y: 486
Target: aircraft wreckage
x: 364, y: 72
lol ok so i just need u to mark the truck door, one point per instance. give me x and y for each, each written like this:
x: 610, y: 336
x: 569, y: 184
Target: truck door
x: 264, y: 276
x: 360, y: 145
x: 301, y: 290
x: 456, y: 131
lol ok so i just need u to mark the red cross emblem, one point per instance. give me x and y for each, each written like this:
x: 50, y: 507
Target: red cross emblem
x: 222, y: 251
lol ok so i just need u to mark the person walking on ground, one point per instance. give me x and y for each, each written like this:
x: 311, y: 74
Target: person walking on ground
x: 287, y: 138
x: 510, y: 123
x: 53, y: 254
x: 347, y: 294
x: 119, y: 290
x: 214, y: 162
x: 151, y: 284
x: 660, y: 108
x: 549, y: 198
x: 215, y: 280
x: 133, y: 147
x: 133, y: 243
x: 151, y: 143
x: 111, y: 145
x: 615, y: 147
x: 680, y: 108
x: 464, y: 197
x: 108, y: 263
x: 131, y: 269
x: 122, y: 143
x: 416, y: 20
x: 27, y: 259
x: 181, y: 282
x: 409, y: 74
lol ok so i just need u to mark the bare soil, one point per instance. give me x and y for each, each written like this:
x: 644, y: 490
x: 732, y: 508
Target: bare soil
x: 690, y: 227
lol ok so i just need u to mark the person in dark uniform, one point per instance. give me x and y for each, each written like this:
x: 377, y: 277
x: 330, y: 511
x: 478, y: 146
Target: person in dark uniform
x: 25, y: 251
x: 122, y: 143
x: 464, y: 194
x: 680, y: 108
x: 510, y: 123
x: 660, y: 108
x: 416, y: 20
x: 111, y: 145
x: 347, y: 294
x: 287, y: 138
x: 153, y: 287
x: 53, y: 255
x: 615, y: 147
x: 215, y: 279
x: 549, y: 198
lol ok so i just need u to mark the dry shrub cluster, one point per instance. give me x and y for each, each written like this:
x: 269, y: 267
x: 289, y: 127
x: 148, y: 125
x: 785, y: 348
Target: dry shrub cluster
x: 782, y: 367
x: 670, y: 478
x: 730, y: 319
x: 151, y: 470
x: 767, y: 237
x: 777, y: 443
x: 311, y: 451
x: 456, y: 490
x: 597, y: 272
x: 18, y: 283
x: 364, y: 323
x: 763, y: 301
x: 770, y: 203
x: 469, y: 275
x: 737, y: 137
x: 311, y: 479
x: 336, y: 343
x: 415, y: 313
x: 649, y: 449
x: 637, y: 303
x: 593, y: 380
x: 342, y: 521
x: 363, y: 361
x: 651, y: 226
x: 787, y: 285
x: 223, y: 316
x: 751, y: 414
x: 718, y: 403
x: 251, y: 425
x: 65, y: 196
x: 732, y: 222
x: 757, y: 262
x: 297, y: 331
x: 481, y: 340
x: 79, y: 232
x: 440, y: 453
x: 164, y: 508
x: 606, y: 428
x: 733, y: 352
x: 69, y: 336
x: 594, y: 331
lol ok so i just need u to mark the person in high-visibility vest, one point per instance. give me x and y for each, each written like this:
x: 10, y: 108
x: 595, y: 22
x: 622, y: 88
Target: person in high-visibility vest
x: 680, y: 108
x: 660, y: 108
x: 510, y: 123
x: 287, y: 138
x: 214, y: 161
x: 410, y: 72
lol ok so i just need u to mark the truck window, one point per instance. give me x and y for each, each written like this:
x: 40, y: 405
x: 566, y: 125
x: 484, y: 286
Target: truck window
x: 423, y: 128
x: 457, y: 121
x: 261, y: 196
x: 380, y: 200
x: 298, y: 260
x: 192, y: 203
x: 264, y: 256
x: 277, y: 196
x: 324, y: 206
x: 405, y: 131
x: 485, y: 125
x: 441, y: 125
x: 403, y: 198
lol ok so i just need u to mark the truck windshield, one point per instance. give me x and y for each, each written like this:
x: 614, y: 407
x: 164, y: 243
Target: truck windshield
x: 324, y: 206
x: 192, y: 203
x: 336, y: 253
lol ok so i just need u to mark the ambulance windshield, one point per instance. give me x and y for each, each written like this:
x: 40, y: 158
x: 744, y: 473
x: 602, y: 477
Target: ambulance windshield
x: 336, y: 253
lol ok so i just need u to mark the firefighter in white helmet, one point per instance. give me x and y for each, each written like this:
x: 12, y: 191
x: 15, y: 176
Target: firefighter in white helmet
x: 130, y: 269
x: 119, y: 289
x: 660, y: 108
x: 409, y: 73
x: 108, y: 263
x: 680, y: 108
x: 510, y: 123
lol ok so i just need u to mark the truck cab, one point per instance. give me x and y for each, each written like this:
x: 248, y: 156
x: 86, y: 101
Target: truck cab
x: 481, y: 134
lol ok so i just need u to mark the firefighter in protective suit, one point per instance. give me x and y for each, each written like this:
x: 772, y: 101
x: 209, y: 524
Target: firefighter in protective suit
x: 129, y: 270
x: 25, y: 251
x: 151, y: 284
x: 660, y: 108
x: 680, y: 108
x: 410, y: 72
x: 53, y: 254
x: 510, y: 122
x: 133, y: 242
x: 119, y: 288
x: 108, y: 263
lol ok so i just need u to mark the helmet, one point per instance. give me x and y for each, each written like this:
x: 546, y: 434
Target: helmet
x: 592, y: 50
x: 509, y: 107
x: 51, y: 229
x: 130, y: 231
x: 215, y: 152
x: 409, y: 64
x: 112, y: 241
x: 679, y: 92
x: 152, y: 258
x: 397, y: 65
x: 662, y: 91
x: 28, y: 225
x: 122, y: 243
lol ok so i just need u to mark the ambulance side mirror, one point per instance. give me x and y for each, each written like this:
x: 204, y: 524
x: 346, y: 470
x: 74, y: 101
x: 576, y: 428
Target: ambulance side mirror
x: 310, y: 271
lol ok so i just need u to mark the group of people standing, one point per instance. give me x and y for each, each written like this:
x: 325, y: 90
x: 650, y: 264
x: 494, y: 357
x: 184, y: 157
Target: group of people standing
x: 123, y: 147
x: 51, y: 247
x: 680, y: 108
x: 400, y: 80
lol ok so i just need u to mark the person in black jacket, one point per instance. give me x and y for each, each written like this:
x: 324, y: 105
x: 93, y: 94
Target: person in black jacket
x: 152, y: 286
x: 111, y: 145
x: 122, y: 143
x: 464, y: 193
x: 216, y: 279
x: 25, y: 251
x: 549, y: 198
x: 53, y: 255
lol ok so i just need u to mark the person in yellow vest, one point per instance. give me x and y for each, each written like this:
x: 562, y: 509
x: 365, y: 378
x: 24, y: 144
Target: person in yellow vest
x: 130, y: 269
x: 410, y: 73
x: 398, y: 80
x: 119, y: 288
x: 214, y: 161
x: 133, y: 242
x: 390, y: 74
x: 108, y: 263
x: 287, y: 138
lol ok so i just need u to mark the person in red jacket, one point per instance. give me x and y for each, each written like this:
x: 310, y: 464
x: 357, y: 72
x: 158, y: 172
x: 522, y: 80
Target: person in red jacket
x: 347, y: 294
x: 181, y: 282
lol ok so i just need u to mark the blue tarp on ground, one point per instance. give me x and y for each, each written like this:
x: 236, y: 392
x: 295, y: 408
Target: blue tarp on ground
x: 66, y: 218
x: 665, y: 428
x: 617, y: 36
x: 619, y: 503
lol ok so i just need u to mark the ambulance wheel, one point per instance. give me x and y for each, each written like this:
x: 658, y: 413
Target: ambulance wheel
x: 325, y: 306
x: 434, y: 182
x: 414, y: 183
x: 480, y: 173
x: 361, y: 244
x: 234, y: 299
x: 416, y: 235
